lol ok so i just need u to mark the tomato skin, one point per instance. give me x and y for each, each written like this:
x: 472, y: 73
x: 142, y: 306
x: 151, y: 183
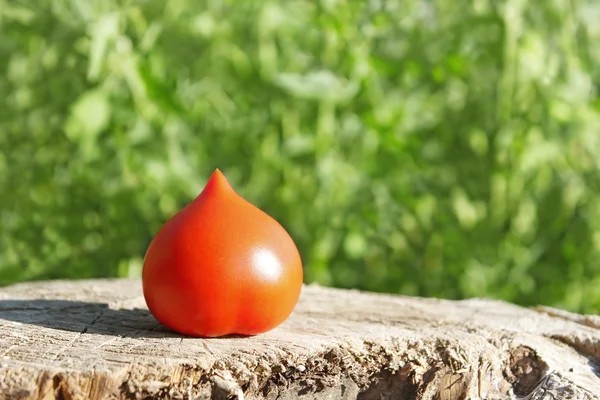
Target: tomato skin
x: 221, y: 266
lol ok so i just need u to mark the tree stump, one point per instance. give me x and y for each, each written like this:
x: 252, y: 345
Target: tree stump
x: 96, y: 339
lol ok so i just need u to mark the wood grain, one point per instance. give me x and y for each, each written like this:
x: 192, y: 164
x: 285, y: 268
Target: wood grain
x: 96, y: 339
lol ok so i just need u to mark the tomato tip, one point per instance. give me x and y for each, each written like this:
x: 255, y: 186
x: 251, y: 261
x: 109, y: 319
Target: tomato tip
x: 218, y: 180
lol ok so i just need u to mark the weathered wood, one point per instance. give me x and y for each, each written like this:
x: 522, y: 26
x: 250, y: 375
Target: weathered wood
x: 96, y: 340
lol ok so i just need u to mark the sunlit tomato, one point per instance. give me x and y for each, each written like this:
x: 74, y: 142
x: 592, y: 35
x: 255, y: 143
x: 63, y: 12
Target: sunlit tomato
x: 221, y: 266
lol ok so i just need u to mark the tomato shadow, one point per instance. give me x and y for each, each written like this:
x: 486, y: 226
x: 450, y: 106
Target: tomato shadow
x: 85, y: 317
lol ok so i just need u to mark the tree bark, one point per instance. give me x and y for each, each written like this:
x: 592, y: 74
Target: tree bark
x: 96, y: 339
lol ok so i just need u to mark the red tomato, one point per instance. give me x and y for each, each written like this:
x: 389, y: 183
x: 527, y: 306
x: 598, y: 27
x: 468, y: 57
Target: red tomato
x: 221, y: 266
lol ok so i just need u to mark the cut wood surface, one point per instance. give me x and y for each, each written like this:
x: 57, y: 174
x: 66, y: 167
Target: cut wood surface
x: 96, y: 340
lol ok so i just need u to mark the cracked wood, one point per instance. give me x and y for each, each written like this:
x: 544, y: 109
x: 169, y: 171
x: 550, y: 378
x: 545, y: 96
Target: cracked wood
x: 96, y: 339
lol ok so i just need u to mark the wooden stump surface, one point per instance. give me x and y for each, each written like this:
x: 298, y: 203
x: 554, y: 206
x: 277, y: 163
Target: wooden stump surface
x: 96, y: 339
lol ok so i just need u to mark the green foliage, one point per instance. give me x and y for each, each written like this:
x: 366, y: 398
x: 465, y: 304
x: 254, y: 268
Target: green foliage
x: 438, y: 148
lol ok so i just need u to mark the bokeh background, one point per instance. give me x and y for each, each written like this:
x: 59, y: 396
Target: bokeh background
x: 443, y: 148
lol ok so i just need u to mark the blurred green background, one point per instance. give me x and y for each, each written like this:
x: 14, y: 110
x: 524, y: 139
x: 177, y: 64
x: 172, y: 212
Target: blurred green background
x: 440, y: 148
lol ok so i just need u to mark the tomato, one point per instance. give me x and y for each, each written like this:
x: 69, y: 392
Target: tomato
x: 221, y: 266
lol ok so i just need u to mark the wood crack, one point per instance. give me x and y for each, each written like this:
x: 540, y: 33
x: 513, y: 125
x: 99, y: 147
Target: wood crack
x: 591, y: 321
x: 589, y: 349
x: 63, y: 349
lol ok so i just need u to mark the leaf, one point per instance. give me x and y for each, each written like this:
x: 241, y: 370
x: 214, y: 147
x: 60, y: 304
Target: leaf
x: 103, y: 31
x: 319, y: 85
